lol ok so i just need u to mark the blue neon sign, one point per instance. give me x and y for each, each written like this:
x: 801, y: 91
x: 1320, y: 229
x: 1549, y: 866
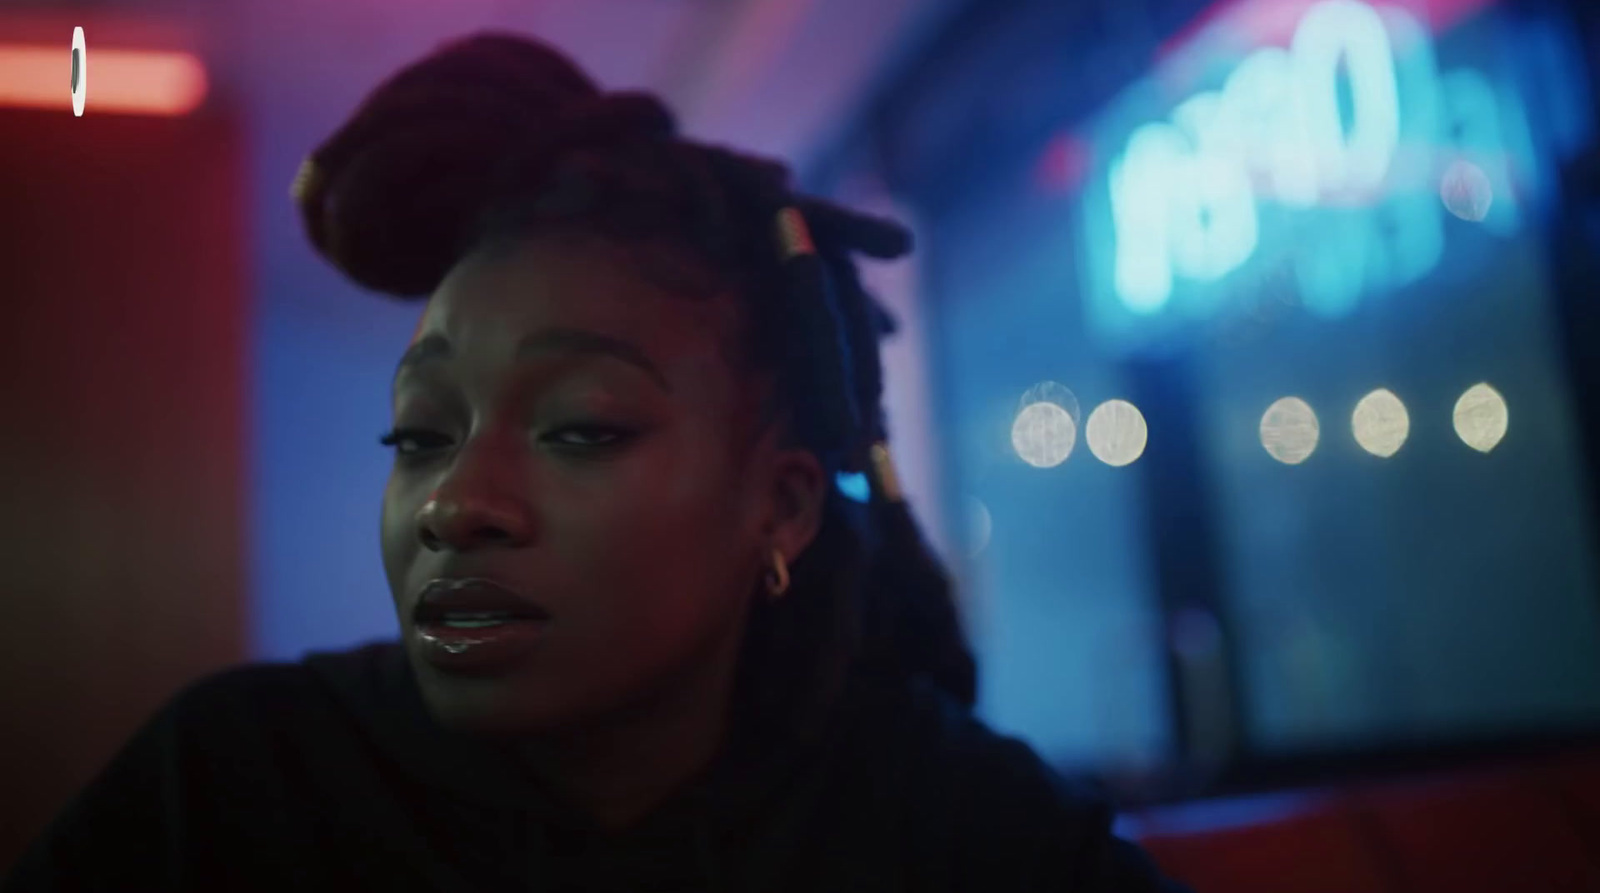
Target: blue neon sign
x: 1318, y: 163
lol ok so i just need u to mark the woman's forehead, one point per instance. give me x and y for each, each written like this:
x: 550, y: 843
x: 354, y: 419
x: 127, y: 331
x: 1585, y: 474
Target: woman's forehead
x: 565, y: 281
x: 497, y: 300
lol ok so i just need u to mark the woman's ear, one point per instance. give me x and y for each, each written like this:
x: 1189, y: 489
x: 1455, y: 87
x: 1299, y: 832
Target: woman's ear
x: 797, y: 491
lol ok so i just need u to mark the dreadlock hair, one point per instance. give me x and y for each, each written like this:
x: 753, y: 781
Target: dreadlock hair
x: 495, y: 136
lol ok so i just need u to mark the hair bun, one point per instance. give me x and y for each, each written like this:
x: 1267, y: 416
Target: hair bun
x: 616, y: 117
x: 393, y: 194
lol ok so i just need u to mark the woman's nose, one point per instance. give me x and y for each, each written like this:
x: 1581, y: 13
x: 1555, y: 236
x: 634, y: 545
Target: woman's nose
x: 466, y: 520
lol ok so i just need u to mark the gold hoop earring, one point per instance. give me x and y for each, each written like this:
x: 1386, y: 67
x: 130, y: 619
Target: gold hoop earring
x: 777, y: 575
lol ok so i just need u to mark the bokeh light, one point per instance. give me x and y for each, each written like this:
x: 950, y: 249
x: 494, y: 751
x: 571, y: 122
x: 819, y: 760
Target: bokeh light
x: 1289, y: 430
x: 1117, y: 433
x: 1381, y: 423
x: 1044, y: 434
x: 1481, y: 417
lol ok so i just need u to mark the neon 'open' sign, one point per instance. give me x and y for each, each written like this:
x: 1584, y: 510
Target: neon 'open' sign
x: 1186, y: 195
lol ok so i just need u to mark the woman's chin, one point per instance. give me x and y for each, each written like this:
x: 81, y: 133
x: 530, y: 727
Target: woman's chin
x: 490, y: 705
x: 489, y: 708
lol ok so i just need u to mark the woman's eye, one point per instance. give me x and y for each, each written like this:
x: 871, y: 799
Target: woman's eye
x: 416, y: 442
x: 412, y: 441
x: 589, y: 436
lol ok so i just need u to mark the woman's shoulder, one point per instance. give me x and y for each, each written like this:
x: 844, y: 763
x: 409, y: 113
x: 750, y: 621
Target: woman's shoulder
x: 251, y: 723
x: 274, y: 693
x: 274, y: 734
x: 243, y: 757
x: 1013, y: 815
x: 242, y: 687
x: 985, y: 769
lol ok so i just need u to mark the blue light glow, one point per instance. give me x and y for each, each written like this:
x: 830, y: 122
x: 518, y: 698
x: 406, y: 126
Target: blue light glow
x: 1331, y: 272
x: 1209, y: 816
x: 854, y: 485
x: 1551, y: 56
x: 1140, y: 185
x: 1265, y: 126
x: 1409, y: 238
x: 1351, y: 32
x: 1212, y: 209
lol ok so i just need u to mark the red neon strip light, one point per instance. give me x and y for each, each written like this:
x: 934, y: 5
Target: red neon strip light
x: 1259, y: 23
x: 137, y: 82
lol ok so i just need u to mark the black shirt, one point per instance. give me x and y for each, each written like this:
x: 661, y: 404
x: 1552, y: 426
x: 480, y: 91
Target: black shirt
x: 329, y: 774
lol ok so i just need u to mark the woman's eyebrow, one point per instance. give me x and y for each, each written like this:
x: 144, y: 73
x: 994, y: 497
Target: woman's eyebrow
x: 423, y: 350
x: 436, y: 347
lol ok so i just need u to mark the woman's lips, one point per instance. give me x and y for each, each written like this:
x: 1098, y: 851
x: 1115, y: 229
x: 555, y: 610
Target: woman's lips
x: 475, y: 626
x: 443, y: 596
x: 478, y: 651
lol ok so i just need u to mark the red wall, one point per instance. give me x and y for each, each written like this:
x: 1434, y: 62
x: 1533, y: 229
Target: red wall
x: 122, y: 432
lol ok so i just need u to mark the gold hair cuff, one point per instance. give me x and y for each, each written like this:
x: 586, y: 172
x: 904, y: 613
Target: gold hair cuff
x: 794, y: 237
x: 304, y: 179
x: 883, y: 470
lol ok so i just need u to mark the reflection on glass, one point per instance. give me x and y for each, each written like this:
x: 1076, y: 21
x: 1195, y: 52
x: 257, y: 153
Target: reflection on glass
x: 980, y: 526
x: 1052, y: 392
x: 1481, y: 418
x: 1381, y: 423
x: 1116, y: 433
x: 1289, y: 431
x: 1466, y: 191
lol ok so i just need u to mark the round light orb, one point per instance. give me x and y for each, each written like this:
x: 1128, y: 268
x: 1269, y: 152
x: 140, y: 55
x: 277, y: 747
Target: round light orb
x: 1117, y: 433
x: 1043, y: 434
x: 1289, y: 431
x: 1380, y: 423
x: 1481, y: 418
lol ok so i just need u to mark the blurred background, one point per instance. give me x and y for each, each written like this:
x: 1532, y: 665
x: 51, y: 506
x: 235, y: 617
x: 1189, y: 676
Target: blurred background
x: 1249, y: 379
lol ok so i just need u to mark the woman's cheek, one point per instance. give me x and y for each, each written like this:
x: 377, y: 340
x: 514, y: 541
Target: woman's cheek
x: 399, y: 511
x: 392, y: 539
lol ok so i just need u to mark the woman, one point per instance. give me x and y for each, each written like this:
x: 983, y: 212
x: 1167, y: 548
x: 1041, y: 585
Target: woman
x: 647, y: 646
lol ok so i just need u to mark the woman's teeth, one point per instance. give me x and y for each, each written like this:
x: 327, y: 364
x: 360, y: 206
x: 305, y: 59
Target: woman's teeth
x: 475, y: 621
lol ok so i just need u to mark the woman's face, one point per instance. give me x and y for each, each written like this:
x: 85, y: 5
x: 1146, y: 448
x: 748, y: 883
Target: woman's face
x: 580, y: 436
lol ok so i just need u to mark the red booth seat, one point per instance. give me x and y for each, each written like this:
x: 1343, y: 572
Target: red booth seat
x: 1521, y: 829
